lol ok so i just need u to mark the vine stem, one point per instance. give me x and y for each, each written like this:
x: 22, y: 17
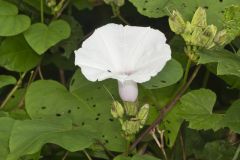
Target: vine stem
x: 122, y: 19
x: 42, y: 11
x: 166, y: 108
x: 236, y: 153
x: 87, y: 155
x: 18, y: 84
x: 188, y: 66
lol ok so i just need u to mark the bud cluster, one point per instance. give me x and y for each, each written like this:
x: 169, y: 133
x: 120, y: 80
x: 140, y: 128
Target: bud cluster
x: 197, y: 33
x: 130, y: 116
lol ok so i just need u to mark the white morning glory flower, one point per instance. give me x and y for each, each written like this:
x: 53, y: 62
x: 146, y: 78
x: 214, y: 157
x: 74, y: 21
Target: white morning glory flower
x: 129, y: 54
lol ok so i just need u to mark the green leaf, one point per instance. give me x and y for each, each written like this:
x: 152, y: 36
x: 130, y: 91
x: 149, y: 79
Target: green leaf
x: 196, y: 107
x: 136, y: 157
x: 56, y: 101
x: 171, y: 125
x: 216, y: 150
x: 6, y: 80
x: 29, y: 136
x: 10, y: 22
x: 16, y: 55
x: 41, y: 37
x: 67, y: 46
x: 160, y: 8
x: 36, y: 5
x: 82, y: 4
x: 232, y: 119
x: 16, y: 100
x: 228, y: 63
x: 97, y: 97
x: 144, y: 157
x: 170, y: 75
x: 5, y: 132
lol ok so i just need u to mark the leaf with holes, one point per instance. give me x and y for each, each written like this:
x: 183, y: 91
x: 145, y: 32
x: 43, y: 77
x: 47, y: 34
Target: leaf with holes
x: 160, y: 8
x: 16, y: 55
x: 170, y: 75
x: 56, y: 101
x: 97, y: 96
x: 16, y: 100
x: 232, y: 119
x: 41, y: 37
x: 227, y: 62
x: 5, y: 132
x: 196, y: 107
x: 29, y: 136
x: 6, y: 80
x: 171, y: 126
x: 10, y: 22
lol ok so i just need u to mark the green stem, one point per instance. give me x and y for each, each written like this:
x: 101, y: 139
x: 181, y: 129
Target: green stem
x: 236, y: 153
x: 87, y: 155
x: 188, y: 66
x: 127, y: 148
x: 205, y: 79
x: 122, y: 19
x: 18, y: 84
x: 42, y: 11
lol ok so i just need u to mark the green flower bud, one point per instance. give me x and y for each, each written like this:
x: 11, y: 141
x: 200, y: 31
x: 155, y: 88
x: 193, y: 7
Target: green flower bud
x: 117, y: 110
x: 176, y: 22
x: 187, y: 33
x: 208, y: 36
x: 143, y: 113
x: 221, y: 37
x: 131, y: 127
x: 131, y: 108
x: 199, y: 18
x: 204, y: 37
x: 51, y: 3
x: 196, y: 37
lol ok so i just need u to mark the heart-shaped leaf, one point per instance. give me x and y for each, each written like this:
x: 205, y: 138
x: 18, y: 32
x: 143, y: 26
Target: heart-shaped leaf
x: 41, y: 37
x: 16, y: 55
x: 28, y: 136
x: 87, y: 105
x: 10, y: 22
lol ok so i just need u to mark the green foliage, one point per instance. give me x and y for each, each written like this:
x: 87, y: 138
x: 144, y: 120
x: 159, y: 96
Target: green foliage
x: 196, y: 107
x: 16, y: 55
x: 231, y: 117
x: 216, y: 150
x: 5, y: 132
x: 41, y: 37
x: 156, y: 8
x: 227, y: 63
x: 10, y: 22
x: 136, y: 157
x: 170, y: 75
x: 29, y: 136
x: 6, y: 80
x: 53, y: 112
x: 100, y: 101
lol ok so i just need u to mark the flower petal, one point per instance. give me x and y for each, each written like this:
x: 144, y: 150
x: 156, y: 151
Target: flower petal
x: 123, y: 53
